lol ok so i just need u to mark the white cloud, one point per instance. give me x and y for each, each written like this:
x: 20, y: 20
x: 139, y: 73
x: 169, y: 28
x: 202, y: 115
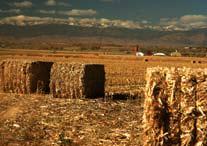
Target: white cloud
x: 55, y: 3
x: 193, y: 18
x: 47, y: 12
x: 24, y: 4
x: 145, y: 21
x: 186, y: 22
x: 166, y: 24
x: 64, y: 4
x: 103, y: 22
x: 18, y: 20
x: 76, y: 12
x: 51, y: 2
x: 194, y: 21
x: 10, y: 11
x: 22, y: 20
x: 126, y: 24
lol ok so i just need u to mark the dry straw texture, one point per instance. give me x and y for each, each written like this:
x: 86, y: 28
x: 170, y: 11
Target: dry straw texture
x: 75, y: 80
x: 175, y: 110
x: 24, y: 76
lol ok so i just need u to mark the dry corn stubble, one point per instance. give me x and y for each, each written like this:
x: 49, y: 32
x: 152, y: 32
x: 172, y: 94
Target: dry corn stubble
x: 183, y: 101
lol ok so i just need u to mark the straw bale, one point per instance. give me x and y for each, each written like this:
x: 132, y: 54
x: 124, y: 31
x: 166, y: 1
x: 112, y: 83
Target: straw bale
x: 172, y: 124
x: 154, y: 109
x: 75, y: 80
x: 181, y: 107
x: 23, y: 76
x: 201, y: 104
x: 188, y: 106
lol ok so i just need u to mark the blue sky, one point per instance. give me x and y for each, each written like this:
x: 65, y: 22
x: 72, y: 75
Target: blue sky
x: 154, y: 14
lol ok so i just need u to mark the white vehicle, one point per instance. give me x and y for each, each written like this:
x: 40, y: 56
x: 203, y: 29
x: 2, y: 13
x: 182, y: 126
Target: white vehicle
x: 139, y: 54
x: 159, y: 54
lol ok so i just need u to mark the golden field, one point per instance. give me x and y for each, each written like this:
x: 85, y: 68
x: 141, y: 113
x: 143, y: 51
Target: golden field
x: 43, y: 120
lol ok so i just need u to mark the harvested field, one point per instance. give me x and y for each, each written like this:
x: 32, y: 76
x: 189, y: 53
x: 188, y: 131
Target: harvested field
x: 175, y: 105
x: 84, y: 122
x: 70, y: 122
x: 123, y: 73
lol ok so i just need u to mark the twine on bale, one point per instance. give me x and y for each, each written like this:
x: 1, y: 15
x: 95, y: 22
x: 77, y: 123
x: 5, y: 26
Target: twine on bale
x: 178, y: 107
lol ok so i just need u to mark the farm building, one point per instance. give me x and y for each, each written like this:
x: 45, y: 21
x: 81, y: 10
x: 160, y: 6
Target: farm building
x: 176, y: 54
x: 25, y: 76
x: 75, y: 80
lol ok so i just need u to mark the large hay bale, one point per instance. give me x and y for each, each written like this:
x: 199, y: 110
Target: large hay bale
x: 188, y: 106
x: 173, y: 99
x: 201, y: 104
x: 25, y: 76
x: 75, y: 80
x: 154, y: 109
x: 175, y: 110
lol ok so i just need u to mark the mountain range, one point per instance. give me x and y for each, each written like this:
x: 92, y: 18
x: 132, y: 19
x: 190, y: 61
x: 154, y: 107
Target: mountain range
x: 66, y: 34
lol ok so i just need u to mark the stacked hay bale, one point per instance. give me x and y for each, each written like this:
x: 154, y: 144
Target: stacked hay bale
x: 75, y: 80
x: 175, y: 110
x: 25, y: 76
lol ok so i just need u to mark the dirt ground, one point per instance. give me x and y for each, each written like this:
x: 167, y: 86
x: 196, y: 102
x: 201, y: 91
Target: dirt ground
x: 40, y: 120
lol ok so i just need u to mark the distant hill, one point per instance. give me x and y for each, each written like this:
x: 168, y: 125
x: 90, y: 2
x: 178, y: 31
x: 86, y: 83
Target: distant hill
x: 113, y: 35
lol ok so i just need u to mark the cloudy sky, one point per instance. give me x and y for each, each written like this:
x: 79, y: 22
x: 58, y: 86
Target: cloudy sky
x: 134, y: 14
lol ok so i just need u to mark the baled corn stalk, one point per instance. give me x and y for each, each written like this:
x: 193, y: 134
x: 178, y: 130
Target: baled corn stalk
x: 176, y: 101
x: 155, y: 103
x: 201, y: 106
x: 172, y: 122
x: 75, y: 80
x: 188, y: 106
x: 25, y: 76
